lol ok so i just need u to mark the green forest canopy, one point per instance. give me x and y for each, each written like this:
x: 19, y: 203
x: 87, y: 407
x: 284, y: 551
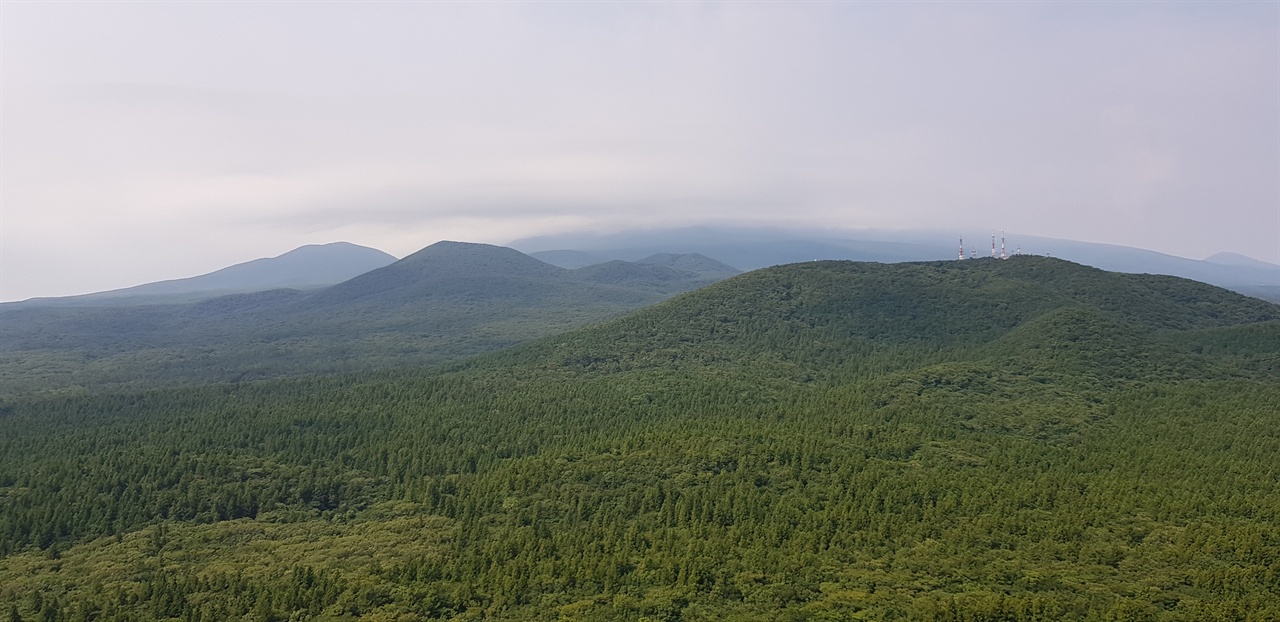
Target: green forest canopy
x: 983, y: 440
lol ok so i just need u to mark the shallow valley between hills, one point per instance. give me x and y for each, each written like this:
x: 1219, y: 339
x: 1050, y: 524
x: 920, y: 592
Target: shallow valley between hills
x: 1027, y: 439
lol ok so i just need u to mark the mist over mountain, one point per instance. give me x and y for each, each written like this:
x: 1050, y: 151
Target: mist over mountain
x: 751, y: 248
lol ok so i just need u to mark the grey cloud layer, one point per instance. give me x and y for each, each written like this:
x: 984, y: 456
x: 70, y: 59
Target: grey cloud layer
x: 129, y: 125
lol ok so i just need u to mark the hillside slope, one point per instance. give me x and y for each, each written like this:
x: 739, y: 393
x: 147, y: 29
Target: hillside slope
x: 447, y: 301
x: 934, y: 307
x: 987, y: 440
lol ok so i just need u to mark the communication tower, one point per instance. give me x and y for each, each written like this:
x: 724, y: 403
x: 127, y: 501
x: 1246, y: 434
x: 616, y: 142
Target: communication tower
x: 961, y: 257
x: 1002, y: 255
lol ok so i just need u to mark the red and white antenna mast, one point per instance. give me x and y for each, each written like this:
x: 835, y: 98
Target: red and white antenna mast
x: 961, y: 258
x: 1002, y: 255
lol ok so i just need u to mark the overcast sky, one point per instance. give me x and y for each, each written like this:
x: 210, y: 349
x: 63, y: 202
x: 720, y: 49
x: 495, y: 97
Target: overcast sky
x: 154, y: 140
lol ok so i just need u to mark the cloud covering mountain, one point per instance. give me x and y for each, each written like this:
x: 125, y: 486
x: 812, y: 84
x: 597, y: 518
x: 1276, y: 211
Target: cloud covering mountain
x: 147, y: 141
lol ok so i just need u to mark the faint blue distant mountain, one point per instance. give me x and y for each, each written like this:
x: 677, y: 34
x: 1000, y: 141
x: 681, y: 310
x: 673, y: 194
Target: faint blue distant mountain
x: 1243, y: 274
x: 748, y: 248
x: 741, y: 248
x: 1238, y: 260
x: 307, y: 267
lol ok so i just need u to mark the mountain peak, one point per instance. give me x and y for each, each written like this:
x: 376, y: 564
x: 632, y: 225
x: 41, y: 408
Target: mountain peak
x: 306, y: 267
x: 1236, y: 259
x: 445, y: 262
x: 692, y: 262
x: 473, y: 259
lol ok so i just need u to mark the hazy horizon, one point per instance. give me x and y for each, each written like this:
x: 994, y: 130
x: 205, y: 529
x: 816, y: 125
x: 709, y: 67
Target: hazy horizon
x: 151, y: 141
x: 535, y: 244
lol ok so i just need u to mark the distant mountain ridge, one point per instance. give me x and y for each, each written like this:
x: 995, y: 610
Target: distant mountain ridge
x: 446, y: 301
x: 306, y: 267
x: 749, y: 248
x: 1236, y: 259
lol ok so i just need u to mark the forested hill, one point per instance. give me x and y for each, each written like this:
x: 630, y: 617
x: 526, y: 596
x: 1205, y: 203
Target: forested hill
x: 445, y: 302
x: 824, y: 317
x: 453, y: 265
x: 983, y: 440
